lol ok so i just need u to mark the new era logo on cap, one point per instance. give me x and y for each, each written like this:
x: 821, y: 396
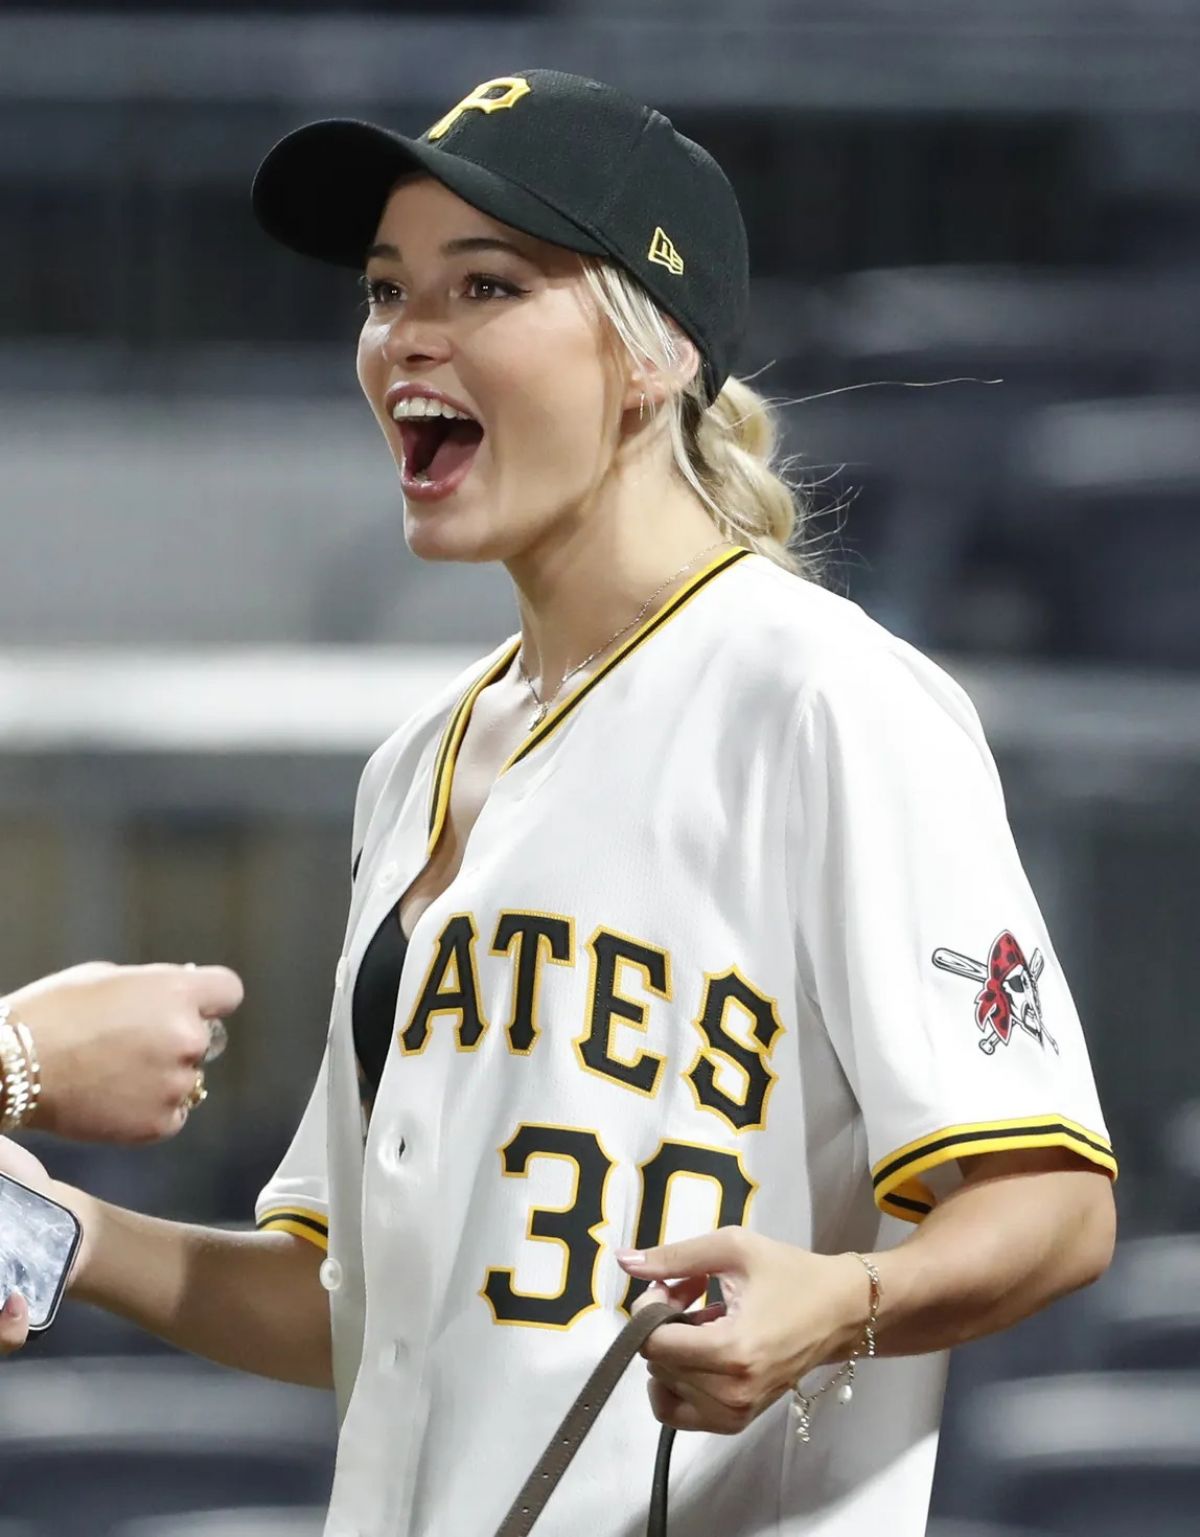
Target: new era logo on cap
x: 663, y: 251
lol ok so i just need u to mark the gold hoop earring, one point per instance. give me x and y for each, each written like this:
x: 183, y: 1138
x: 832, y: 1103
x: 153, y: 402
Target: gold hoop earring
x: 641, y: 407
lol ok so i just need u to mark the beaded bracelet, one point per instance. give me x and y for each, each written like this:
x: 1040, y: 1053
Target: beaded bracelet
x: 20, y: 1073
x: 843, y: 1378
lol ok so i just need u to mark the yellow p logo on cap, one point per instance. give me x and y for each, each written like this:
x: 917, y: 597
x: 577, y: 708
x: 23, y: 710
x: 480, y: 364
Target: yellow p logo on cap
x: 511, y: 88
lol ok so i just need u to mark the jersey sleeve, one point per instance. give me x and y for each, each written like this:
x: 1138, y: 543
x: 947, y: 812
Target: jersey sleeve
x: 296, y: 1198
x: 920, y: 941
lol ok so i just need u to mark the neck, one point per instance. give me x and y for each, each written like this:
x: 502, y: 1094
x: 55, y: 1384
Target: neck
x: 596, y: 568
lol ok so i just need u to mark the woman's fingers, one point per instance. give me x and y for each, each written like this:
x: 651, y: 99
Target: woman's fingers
x: 724, y: 1405
x: 14, y: 1324
x: 217, y: 990
x: 729, y: 1393
x: 682, y: 1413
x: 680, y: 1294
x: 669, y: 1409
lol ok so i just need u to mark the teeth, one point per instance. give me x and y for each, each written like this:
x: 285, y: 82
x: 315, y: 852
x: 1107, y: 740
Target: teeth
x: 416, y: 406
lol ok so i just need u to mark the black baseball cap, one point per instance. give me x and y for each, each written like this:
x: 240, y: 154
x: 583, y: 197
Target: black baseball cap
x: 556, y: 156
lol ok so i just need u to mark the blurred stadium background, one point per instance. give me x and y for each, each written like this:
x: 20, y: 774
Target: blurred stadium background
x: 209, y: 617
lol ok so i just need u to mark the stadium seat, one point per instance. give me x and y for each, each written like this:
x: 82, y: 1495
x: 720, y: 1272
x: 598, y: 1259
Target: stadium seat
x: 1145, y: 1311
x: 266, y: 1521
x: 1107, y: 489
x: 1180, y: 1149
x: 1056, y: 328
x: 940, y: 1527
x: 93, y: 1444
x: 1090, y: 1455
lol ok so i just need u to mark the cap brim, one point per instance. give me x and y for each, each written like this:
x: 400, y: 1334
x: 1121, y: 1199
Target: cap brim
x: 322, y: 190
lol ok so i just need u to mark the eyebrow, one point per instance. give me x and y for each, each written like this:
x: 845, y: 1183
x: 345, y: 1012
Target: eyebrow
x: 455, y: 247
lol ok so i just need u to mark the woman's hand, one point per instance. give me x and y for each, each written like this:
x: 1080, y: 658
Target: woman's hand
x: 1023, y: 1229
x: 785, y: 1311
x: 120, y: 1046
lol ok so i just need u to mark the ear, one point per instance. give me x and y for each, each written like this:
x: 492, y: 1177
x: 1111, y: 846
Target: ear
x: 649, y: 388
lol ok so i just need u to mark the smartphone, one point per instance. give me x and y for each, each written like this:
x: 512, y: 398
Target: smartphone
x: 39, y: 1240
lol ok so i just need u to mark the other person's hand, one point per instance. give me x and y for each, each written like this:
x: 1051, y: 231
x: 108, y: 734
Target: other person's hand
x: 20, y: 1164
x: 120, y: 1046
x: 14, y: 1324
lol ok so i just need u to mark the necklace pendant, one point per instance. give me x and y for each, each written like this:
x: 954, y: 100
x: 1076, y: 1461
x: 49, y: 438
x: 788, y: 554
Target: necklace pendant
x: 542, y: 711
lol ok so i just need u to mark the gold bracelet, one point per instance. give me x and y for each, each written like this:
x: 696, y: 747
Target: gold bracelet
x: 13, y: 1073
x: 20, y: 1073
x: 843, y: 1378
x: 32, y: 1065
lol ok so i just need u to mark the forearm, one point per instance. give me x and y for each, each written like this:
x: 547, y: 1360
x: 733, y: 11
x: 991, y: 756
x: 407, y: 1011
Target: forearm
x: 1010, y: 1240
x: 1023, y: 1229
x: 248, y: 1300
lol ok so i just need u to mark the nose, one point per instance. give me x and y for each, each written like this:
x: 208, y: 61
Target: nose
x: 415, y: 340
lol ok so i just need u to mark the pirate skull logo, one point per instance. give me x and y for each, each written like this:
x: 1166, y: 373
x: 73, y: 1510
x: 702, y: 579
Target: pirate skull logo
x: 1008, y: 996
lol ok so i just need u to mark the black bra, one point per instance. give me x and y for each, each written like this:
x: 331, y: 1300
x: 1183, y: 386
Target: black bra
x: 375, y: 993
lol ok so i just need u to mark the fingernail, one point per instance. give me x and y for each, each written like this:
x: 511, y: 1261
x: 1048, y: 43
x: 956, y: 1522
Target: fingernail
x: 630, y: 1257
x: 14, y: 1305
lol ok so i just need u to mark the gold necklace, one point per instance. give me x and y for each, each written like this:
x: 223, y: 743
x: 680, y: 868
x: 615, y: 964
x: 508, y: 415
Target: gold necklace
x: 543, y: 705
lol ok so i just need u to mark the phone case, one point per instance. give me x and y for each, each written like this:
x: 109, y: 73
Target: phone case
x: 39, y: 1239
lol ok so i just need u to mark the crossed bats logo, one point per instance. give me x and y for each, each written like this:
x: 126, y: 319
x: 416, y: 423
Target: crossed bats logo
x: 1009, y: 993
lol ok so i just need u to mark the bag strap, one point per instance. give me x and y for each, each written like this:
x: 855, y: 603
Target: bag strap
x: 580, y: 1418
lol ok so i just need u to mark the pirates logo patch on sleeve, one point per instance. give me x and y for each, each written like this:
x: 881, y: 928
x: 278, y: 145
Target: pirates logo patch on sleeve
x: 1008, y: 996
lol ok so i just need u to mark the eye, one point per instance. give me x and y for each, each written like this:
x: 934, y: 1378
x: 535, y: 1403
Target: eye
x: 483, y: 286
x: 379, y: 291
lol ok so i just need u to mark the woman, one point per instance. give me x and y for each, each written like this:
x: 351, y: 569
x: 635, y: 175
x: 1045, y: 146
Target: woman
x: 639, y: 984
x: 115, y: 1053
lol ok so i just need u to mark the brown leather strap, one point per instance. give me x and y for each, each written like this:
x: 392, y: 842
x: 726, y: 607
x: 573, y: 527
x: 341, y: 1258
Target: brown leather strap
x: 580, y: 1418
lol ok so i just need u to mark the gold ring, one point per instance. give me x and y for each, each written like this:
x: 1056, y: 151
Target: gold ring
x: 198, y: 1094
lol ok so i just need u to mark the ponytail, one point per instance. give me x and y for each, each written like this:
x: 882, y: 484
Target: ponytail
x: 726, y: 451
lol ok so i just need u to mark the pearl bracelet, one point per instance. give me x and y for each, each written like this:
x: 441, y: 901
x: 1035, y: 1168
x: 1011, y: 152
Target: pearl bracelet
x: 20, y: 1073
x: 843, y: 1378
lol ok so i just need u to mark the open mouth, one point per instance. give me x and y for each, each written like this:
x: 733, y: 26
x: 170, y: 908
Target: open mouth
x: 439, y: 445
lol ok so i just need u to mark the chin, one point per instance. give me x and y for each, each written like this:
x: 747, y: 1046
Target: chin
x: 439, y: 533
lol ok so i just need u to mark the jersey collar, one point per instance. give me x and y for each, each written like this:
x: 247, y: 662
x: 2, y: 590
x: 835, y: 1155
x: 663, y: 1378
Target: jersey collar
x: 456, y: 726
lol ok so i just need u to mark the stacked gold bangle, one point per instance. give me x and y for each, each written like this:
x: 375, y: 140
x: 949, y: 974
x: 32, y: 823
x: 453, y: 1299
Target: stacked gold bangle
x: 20, y: 1073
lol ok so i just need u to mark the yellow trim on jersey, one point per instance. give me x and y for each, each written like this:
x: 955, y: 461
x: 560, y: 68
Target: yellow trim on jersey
x: 300, y: 1221
x: 456, y: 726
x: 673, y: 606
x: 900, y: 1192
x: 456, y: 729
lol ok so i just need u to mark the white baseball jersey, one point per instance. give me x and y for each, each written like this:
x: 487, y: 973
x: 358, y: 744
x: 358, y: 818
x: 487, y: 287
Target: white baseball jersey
x: 740, y: 936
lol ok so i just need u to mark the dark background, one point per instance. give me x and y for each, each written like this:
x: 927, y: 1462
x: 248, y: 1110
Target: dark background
x: 208, y: 616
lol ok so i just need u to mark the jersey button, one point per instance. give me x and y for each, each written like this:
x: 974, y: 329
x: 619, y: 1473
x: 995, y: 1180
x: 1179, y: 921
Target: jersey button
x: 389, y: 875
x: 330, y: 1274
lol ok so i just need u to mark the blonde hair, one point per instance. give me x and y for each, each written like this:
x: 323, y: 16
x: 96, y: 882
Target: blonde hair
x: 724, y: 451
